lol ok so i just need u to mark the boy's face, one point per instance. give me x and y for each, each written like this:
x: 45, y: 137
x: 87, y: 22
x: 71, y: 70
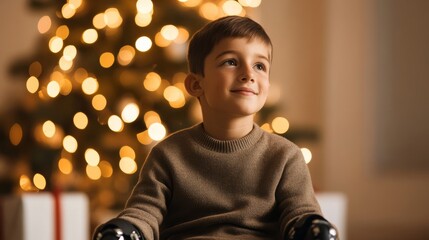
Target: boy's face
x: 236, y: 77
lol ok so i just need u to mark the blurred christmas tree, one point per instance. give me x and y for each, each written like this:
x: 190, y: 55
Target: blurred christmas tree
x: 105, y: 84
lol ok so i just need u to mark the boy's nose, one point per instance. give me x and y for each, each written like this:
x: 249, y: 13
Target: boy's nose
x: 246, y: 78
x: 247, y: 75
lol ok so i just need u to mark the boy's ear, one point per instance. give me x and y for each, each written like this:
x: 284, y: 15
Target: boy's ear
x: 193, y: 85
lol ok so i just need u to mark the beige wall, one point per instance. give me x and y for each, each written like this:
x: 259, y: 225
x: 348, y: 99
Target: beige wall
x: 329, y: 64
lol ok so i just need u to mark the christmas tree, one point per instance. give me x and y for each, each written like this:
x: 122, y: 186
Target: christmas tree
x: 105, y: 85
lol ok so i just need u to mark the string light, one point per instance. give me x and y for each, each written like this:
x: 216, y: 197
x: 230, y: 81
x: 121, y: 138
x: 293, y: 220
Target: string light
x: 130, y: 112
x: 55, y: 44
x: 231, y: 7
x: 152, y: 81
x: 44, y: 24
x: 90, y: 36
x: 99, y: 102
x: 307, y: 155
x: 90, y: 86
x: 70, y: 144
x: 157, y: 131
x: 127, y: 165
x: 65, y: 166
x: 280, y: 125
x: 143, y: 44
x: 93, y: 172
x: 15, y: 134
x: 32, y: 84
x: 126, y: 55
x: 115, y: 123
x: 92, y: 157
x: 39, y: 181
x: 106, y: 169
x: 107, y: 59
x: 25, y: 183
x: 62, y: 32
x: 80, y: 120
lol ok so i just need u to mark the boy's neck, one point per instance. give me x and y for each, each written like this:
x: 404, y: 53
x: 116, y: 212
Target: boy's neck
x: 228, y: 129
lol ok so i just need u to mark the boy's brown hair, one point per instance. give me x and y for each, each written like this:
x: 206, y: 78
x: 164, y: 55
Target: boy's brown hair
x: 203, y: 41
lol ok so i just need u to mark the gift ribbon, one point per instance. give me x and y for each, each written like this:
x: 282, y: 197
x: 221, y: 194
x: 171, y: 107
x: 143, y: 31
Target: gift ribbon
x: 57, y: 215
x: 1, y: 219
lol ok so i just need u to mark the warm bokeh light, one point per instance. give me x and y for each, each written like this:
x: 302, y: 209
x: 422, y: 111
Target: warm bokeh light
x: 152, y: 81
x: 80, y: 120
x: 170, y: 32
x: 39, y: 181
x: 231, y: 7
x: 65, y: 166
x: 49, y: 128
x: 69, y: 52
x: 182, y: 37
x: 98, y: 21
x: 25, y: 183
x: 130, y: 112
x: 106, y: 169
x: 127, y: 151
x: 35, y: 69
x: 90, y: 86
x: 93, y: 172
x: 190, y: 3
x: 53, y: 89
x: 62, y: 32
x: 143, y: 138
x: 107, y: 59
x: 115, y: 123
x: 99, y: 102
x: 89, y: 36
x: 70, y: 144
x: 157, y: 131
x: 112, y: 17
x: 92, y: 157
x: 280, y: 125
x: 266, y: 127
x: 160, y: 41
x: 15, y: 134
x: 143, y: 44
x: 128, y: 165
x: 307, y: 155
x: 68, y: 10
x: 151, y: 117
x: 250, y: 3
x: 126, y: 55
x: 44, y: 24
x: 209, y: 10
x: 143, y: 19
x: 32, y: 84
x: 65, y: 64
x: 56, y: 44
x: 144, y: 6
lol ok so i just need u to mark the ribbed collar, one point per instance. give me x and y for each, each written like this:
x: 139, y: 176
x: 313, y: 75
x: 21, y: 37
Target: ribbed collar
x: 225, y: 146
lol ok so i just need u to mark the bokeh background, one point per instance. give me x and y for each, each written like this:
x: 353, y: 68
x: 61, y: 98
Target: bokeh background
x: 350, y: 84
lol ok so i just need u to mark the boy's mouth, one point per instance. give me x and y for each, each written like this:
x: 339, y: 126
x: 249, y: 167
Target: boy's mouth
x: 244, y: 91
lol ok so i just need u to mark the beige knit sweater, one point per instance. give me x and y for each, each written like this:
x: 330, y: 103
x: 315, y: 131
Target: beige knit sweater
x: 193, y: 186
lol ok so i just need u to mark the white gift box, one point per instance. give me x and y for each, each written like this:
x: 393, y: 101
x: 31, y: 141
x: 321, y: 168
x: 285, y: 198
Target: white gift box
x: 334, y: 209
x: 45, y: 216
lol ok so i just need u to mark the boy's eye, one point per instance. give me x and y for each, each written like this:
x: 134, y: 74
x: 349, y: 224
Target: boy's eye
x: 260, y: 66
x: 230, y: 62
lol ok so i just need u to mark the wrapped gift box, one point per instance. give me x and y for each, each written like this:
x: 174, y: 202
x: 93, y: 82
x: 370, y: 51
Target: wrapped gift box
x: 334, y: 209
x: 45, y: 216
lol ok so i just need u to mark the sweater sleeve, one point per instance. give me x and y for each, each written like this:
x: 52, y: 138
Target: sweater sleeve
x: 295, y: 194
x: 147, y: 204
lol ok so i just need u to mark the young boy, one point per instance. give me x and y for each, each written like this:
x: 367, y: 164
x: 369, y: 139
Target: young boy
x: 224, y: 178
